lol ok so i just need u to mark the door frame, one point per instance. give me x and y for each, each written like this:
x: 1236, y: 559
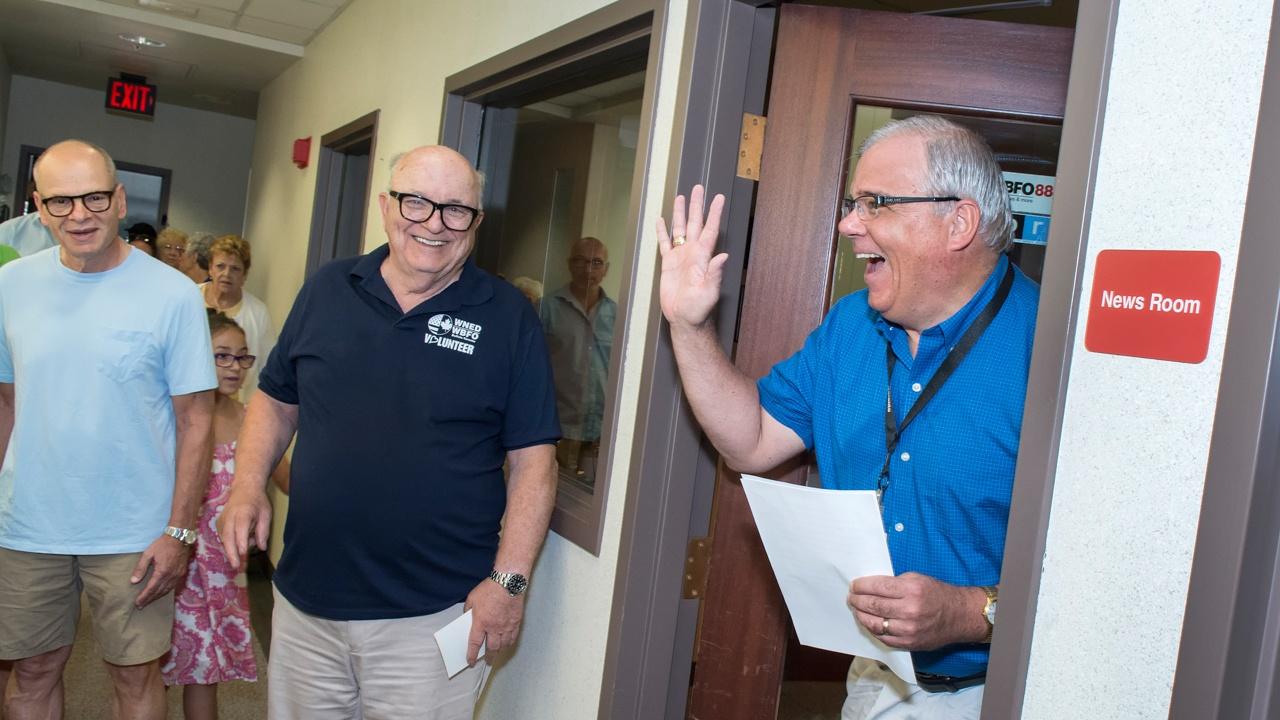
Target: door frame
x: 1227, y: 660
x: 330, y: 169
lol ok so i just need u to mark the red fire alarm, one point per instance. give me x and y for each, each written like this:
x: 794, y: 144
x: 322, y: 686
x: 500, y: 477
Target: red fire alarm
x: 302, y: 151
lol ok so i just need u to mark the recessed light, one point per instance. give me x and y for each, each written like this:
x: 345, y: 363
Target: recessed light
x: 142, y: 41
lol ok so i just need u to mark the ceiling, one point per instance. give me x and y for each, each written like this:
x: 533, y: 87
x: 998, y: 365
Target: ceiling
x: 218, y: 54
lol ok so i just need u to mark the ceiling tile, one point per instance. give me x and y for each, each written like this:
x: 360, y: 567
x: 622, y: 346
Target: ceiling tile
x: 274, y: 30
x: 213, y: 16
x: 297, y: 13
x: 331, y: 3
x: 154, y: 68
x: 228, y: 5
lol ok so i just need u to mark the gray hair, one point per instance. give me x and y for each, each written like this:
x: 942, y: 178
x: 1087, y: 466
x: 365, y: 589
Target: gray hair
x: 198, y: 247
x: 960, y: 163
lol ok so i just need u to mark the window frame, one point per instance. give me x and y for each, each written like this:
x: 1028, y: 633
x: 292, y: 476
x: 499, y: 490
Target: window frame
x: 592, y: 46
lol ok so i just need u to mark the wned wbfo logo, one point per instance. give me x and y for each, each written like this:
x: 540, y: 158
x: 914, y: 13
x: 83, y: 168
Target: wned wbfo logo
x: 453, y: 334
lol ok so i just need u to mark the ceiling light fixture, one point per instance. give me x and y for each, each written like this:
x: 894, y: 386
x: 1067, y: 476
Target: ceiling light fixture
x: 141, y: 41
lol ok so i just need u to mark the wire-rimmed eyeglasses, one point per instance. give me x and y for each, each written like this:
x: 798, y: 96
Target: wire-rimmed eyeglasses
x: 868, y: 206
x: 418, y: 209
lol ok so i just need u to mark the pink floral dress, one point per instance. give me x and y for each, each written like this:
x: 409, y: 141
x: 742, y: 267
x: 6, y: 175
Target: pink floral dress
x: 211, y: 638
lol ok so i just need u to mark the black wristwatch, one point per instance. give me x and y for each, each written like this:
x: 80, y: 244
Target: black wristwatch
x: 513, y: 583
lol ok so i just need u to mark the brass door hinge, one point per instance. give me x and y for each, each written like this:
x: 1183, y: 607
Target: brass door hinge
x: 751, y: 146
x: 696, y: 560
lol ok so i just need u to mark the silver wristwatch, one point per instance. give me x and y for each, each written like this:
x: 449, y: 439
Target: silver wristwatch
x: 513, y: 583
x: 182, y: 535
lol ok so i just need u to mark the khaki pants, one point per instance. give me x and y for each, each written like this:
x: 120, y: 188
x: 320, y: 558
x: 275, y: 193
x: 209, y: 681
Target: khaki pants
x: 877, y: 694
x: 40, y: 606
x: 365, y: 669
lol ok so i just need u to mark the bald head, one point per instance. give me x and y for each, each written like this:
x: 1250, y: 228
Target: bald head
x: 447, y: 160
x: 589, y: 247
x: 71, y: 153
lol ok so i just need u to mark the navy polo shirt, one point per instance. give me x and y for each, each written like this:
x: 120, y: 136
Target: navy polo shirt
x: 404, y: 421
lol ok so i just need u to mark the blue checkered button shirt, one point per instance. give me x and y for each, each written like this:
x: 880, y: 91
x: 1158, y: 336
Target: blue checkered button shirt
x: 951, y: 475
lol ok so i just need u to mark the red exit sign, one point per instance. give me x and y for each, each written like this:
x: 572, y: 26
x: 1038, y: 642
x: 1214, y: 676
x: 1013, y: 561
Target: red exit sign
x: 131, y: 94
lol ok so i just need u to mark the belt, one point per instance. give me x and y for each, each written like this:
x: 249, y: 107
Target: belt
x: 948, y: 683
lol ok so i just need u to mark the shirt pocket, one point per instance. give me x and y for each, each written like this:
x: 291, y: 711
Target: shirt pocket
x: 125, y: 355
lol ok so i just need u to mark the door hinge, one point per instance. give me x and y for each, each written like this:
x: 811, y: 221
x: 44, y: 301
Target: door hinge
x: 696, y: 560
x: 751, y: 146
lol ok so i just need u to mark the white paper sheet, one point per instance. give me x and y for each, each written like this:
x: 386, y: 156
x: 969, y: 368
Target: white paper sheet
x: 818, y: 541
x: 452, y: 639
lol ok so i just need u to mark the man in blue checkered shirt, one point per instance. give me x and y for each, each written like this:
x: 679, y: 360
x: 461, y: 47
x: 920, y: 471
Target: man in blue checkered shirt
x: 913, y: 387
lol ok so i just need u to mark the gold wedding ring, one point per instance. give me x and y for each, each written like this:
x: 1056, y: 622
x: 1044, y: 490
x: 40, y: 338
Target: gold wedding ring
x: 884, y: 627
x: 678, y: 240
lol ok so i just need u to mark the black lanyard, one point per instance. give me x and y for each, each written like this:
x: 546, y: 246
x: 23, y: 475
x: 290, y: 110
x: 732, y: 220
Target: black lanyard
x: 892, y: 428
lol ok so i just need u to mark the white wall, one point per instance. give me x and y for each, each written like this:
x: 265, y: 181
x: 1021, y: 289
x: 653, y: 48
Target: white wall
x: 556, y: 670
x: 1135, y: 438
x: 208, y: 152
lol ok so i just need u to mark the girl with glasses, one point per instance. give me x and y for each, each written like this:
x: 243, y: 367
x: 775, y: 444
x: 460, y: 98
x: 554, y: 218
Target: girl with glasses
x: 212, y: 642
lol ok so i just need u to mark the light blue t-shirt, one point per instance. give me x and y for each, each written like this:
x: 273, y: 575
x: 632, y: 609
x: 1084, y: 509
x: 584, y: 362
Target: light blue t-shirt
x: 94, y: 359
x: 26, y: 234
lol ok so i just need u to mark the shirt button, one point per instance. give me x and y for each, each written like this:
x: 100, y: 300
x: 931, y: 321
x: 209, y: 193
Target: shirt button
x: 906, y: 456
x: 899, y: 527
x: 915, y: 387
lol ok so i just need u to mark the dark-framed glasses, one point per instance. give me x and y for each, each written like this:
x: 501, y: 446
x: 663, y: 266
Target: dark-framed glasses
x: 228, y: 359
x: 593, y: 263
x: 415, y: 208
x: 868, y: 206
x: 62, y: 205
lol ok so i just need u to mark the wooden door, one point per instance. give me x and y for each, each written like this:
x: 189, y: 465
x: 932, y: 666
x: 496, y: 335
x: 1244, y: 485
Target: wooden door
x: 827, y: 61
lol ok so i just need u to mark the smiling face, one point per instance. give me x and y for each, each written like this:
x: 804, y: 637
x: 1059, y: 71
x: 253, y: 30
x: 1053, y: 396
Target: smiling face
x: 909, y: 266
x: 230, y: 341
x: 427, y: 255
x: 89, y: 240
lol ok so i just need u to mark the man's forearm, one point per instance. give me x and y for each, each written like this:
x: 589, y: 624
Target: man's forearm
x: 531, y: 495
x: 724, y: 400
x: 194, y: 419
x: 267, y: 430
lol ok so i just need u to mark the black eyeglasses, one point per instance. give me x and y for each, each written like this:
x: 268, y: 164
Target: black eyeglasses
x: 62, y: 205
x: 595, y: 263
x: 868, y: 206
x: 415, y: 208
x: 227, y: 360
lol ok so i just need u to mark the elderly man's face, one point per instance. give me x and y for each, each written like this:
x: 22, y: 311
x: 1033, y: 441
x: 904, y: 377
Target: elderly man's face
x: 427, y: 250
x: 907, y: 264
x: 87, y: 238
x: 588, y: 263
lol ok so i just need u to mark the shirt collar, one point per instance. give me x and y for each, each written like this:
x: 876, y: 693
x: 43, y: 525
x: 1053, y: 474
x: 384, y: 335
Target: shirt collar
x: 473, y: 287
x: 953, y: 327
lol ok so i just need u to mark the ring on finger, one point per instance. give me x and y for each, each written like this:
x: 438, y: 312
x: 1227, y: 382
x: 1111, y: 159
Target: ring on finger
x: 678, y: 240
x: 884, y: 626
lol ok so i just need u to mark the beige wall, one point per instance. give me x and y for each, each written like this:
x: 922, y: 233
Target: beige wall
x: 393, y: 56
x: 207, y: 152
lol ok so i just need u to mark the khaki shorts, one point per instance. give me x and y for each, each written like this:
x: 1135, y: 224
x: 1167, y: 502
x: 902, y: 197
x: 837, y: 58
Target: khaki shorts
x: 40, y: 606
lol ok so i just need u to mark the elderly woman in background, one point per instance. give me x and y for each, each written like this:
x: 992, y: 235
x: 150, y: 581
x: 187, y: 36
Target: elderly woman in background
x: 229, y: 259
x: 171, y: 245
x: 195, y: 262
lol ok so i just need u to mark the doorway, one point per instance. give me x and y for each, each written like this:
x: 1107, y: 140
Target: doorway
x: 342, y: 191
x: 831, y: 67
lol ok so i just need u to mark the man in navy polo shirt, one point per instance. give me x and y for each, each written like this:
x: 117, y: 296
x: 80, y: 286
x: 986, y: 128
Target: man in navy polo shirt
x: 913, y: 387
x: 410, y: 376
